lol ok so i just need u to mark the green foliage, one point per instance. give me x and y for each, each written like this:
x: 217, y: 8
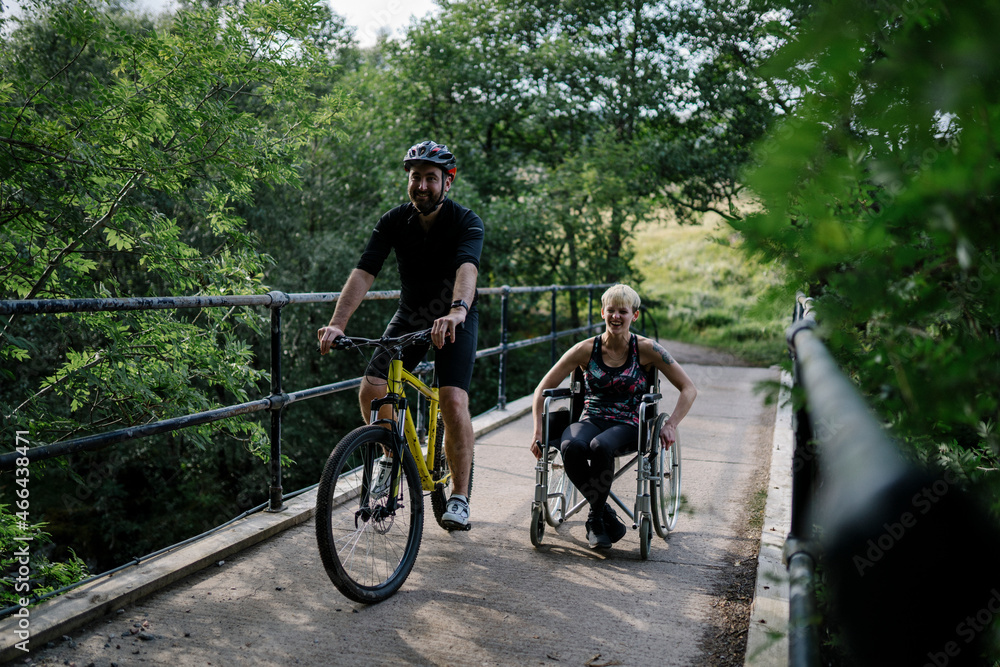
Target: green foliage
x: 727, y: 102
x: 880, y: 198
x: 127, y: 148
x: 130, y: 150
x: 17, y: 539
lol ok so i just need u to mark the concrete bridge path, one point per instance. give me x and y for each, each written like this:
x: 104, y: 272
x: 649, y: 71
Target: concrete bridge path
x: 484, y: 597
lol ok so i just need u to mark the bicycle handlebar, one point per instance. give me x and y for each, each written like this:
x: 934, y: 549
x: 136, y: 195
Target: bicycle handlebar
x: 384, y: 343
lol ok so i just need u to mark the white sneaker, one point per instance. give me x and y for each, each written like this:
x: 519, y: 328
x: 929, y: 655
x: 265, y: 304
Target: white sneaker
x: 456, y: 514
x: 381, y: 477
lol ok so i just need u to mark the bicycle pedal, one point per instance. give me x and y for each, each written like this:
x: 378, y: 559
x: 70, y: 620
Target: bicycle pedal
x: 459, y: 529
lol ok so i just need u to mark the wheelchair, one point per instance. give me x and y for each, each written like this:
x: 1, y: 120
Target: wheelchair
x: 658, y: 471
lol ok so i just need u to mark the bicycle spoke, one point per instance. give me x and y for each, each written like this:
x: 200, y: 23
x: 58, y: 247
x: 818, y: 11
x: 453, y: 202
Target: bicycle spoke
x: 368, y: 542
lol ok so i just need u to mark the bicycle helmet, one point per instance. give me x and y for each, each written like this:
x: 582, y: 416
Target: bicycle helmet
x: 428, y: 151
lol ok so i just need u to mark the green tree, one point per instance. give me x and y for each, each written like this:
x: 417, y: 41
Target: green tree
x: 130, y: 150
x: 125, y: 148
x: 591, y: 116
x: 528, y: 95
x: 727, y: 102
x: 880, y: 191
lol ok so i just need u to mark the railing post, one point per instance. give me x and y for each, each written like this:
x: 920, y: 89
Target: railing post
x: 504, y: 339
x: 278, y: 398
x: 803, y: 469
x: 803, y: 456
x: 590, y: 309
x: 555, y: 292
x: 803, y: 640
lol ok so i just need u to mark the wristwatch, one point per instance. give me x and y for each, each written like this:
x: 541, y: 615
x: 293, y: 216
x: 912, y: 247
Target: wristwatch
x: 458, y: 303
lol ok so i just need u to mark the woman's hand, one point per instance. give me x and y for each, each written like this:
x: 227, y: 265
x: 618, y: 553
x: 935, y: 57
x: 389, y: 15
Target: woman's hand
x: 536, y: 448
x: 668, y: 434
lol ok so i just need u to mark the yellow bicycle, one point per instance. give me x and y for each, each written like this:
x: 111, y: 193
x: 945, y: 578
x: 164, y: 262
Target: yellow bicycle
x: 369, y: 504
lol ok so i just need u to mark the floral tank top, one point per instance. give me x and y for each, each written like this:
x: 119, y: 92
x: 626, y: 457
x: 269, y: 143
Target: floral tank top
x: 614, y: 394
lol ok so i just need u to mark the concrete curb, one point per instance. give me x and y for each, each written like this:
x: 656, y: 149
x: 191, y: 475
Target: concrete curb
x: 493, y: 420
x: 60, y: 615
x: 767, y: 638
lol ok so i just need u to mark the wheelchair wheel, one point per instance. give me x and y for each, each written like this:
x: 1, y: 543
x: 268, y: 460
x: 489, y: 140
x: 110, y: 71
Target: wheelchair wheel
x: 537, y: 526
x: 645, y: 537
x: 665, y: 483
x: 561, y: 492
x: 368, y: 541
x: 440, y: 470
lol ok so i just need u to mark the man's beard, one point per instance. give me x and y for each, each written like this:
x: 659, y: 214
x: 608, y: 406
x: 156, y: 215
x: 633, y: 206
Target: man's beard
x: 428, y: 206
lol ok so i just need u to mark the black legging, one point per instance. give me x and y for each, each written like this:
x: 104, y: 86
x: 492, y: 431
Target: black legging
x: 588, y: 451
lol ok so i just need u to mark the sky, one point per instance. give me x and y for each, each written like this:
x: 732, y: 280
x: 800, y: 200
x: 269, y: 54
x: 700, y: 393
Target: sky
x: 368, y: 16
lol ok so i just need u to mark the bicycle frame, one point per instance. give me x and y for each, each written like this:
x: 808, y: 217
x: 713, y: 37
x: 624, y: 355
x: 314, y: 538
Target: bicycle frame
x: 405, y: 427
x: 369, y: 545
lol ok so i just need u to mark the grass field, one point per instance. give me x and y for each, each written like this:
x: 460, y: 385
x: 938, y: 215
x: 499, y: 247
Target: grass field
x: 702, y: 289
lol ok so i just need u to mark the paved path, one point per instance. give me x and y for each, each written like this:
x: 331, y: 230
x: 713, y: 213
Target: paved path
x: 485, y: 597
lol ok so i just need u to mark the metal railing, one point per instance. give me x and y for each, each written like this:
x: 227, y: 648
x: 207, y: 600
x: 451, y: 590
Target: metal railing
x: 278, y: 399
x: 908, y: 558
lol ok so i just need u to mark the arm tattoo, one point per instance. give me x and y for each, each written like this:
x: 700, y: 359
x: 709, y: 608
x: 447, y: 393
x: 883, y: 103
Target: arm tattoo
x: 667, y: 359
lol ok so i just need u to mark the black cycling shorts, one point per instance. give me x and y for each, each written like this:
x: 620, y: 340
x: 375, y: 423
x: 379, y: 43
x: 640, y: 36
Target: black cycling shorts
x: 452, y: 363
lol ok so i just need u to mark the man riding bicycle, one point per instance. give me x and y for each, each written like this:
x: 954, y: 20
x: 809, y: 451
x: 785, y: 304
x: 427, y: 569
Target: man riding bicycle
x: 437, y: 244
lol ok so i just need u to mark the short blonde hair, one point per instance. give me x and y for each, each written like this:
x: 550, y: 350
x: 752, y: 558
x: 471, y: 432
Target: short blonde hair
x: 621, y: 295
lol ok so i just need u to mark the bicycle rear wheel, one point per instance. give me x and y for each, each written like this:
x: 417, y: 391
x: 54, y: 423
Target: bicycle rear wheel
x: 440, y: 470
x: 368, y: 543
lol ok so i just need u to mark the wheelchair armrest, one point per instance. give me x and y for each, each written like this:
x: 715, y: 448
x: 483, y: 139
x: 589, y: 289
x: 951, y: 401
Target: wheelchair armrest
x: 560, y: 392
x: 651, y: 398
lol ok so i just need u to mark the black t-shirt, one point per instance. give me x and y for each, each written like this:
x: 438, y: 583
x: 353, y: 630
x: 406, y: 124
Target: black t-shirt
x: 427, y: 261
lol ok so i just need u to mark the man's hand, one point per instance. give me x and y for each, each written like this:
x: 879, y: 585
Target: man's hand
x: 327, y: 335
x: 444, y: 328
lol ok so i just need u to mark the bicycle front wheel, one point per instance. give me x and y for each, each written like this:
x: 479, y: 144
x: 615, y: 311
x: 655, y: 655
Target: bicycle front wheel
x: 368, y: 540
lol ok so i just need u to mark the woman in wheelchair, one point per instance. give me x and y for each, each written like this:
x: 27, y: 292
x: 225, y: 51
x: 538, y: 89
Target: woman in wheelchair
x: 615, y: 366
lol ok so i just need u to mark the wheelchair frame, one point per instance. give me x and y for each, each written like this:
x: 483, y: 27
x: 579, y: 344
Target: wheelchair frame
x: 658, y: 476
